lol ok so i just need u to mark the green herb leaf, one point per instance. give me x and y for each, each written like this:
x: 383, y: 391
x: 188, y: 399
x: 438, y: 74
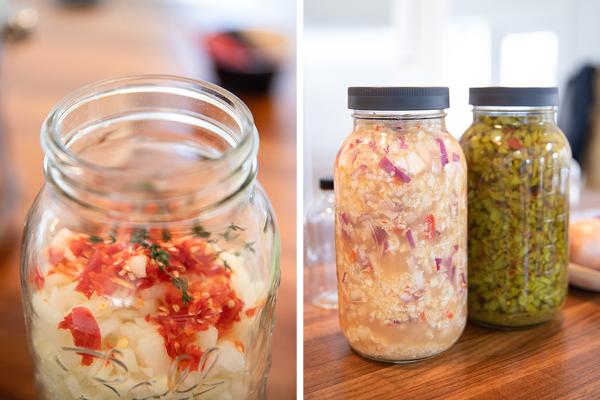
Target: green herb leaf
x: 159, y: 255
x: 182, y: 284
x: 233, y: 227
x: 200, y: 232
x: 139, y: 236
x: 96, y: 239
x: 250, y: 247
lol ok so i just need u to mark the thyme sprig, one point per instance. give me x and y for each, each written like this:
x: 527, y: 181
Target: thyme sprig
x: 199, y: 231
x: 162, y: 259
x: 95, y: 239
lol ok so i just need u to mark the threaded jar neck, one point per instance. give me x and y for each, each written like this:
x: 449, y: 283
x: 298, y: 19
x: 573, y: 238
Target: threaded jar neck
x: 150, y: 147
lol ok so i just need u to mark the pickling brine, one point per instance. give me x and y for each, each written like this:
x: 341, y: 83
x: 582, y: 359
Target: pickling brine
x: 400, y: 182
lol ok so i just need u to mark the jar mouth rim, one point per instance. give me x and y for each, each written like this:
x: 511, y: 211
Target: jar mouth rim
x: 193, y: 88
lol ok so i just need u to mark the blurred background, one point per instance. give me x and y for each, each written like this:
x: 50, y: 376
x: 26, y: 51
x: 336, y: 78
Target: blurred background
x: 52, y: 47
x: 455, y: 43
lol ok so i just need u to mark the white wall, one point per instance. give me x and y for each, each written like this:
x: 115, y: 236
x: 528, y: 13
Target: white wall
x: 429, y: 42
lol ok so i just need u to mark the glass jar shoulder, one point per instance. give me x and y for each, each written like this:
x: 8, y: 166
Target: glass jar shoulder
x: 413, y: 145
x: 128, y: 283
x: 511, y: 137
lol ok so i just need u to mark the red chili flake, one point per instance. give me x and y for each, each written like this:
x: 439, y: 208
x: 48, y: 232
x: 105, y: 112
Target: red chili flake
x: 78, y: 246
x: 179, y: 327
x: 422, y: 317
x: 386, y: 165
x: 514, y: 143
x: 450, y: 314
x: 251, y: 312
x: 98, y: 276
x: 429, y: 226
x: 344, y: 218
x: 360, y: 140
x: 455, y: 157
x: 410, y: 238
x: 38, y: 278
x: 438, y: 262
x: 85, y: 331
x: 386, y: 149
x: 443, y: 152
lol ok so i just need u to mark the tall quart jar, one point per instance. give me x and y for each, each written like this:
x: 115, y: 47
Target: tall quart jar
x: 518, y: 162
x: 150, y: 261
x: 401, y: 225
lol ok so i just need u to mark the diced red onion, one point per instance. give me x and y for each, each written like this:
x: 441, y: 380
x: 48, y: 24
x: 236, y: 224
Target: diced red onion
x: 380, y: 235
x: 447, y: 262
x: 389, y: 167
x: 443, y: 152
x: 345, y: 218
x: 410, y: 239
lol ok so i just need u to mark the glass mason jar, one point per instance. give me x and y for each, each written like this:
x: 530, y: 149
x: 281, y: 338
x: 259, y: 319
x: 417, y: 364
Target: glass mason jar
x: 320, y: 280
x: 401, y: 219
x: 150, y: 261
x: 518, y: 173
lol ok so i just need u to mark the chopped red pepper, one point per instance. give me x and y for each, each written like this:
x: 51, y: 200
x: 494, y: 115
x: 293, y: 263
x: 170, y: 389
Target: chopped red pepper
x: 514, y: 143
x: 429, y: 226
x: 85, y: 331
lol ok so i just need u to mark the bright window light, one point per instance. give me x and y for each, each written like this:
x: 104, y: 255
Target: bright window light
x: 529, y: 59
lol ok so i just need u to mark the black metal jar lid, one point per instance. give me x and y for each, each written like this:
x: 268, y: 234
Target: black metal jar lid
x: 514, y: 96
x: 398, y: 98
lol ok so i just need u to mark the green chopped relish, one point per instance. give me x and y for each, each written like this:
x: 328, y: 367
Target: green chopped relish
x: 518, y: 171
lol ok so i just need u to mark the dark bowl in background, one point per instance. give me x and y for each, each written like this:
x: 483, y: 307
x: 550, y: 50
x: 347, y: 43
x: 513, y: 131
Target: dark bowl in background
x: 245, y: 61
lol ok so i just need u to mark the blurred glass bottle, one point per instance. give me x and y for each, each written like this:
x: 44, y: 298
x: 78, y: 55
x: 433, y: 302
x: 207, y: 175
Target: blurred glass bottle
x: 319, y: 248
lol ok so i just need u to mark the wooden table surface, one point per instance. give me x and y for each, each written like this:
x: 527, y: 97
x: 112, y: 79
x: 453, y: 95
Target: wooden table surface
x: 71, y: 48
x: 556, y: 360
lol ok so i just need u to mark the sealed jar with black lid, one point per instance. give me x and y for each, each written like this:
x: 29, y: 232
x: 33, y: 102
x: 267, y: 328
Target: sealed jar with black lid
x: 518, y: 176
x: 400, y: 186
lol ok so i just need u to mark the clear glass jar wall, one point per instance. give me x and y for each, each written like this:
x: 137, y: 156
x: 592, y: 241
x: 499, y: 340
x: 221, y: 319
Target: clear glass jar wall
x: 150, y: 261
x: 400, y: 183
x: 518, y: 176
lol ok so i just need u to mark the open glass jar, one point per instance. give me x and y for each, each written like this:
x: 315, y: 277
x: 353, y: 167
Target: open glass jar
x: 518, y: 178
x: 401, y: 219
x: 150, y: 261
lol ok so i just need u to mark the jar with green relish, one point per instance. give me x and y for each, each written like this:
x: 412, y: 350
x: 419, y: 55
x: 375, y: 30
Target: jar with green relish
x: 518, y: 198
